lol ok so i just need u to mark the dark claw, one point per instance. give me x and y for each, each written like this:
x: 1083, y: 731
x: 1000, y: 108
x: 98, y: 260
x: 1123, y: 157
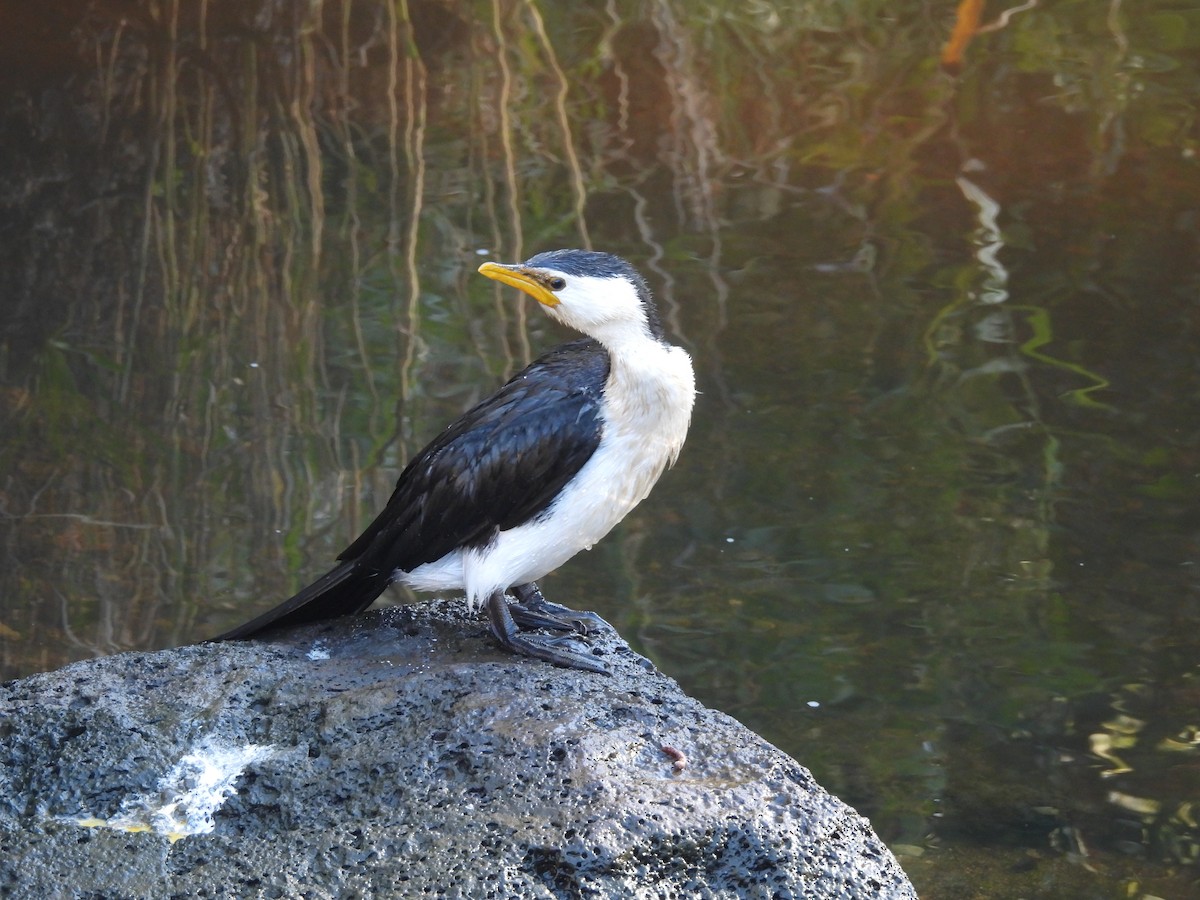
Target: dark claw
x: 537, y: 646
x: 534, y: 611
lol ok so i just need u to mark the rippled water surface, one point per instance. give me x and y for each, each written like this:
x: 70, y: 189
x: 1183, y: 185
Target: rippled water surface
x: 935, y: 532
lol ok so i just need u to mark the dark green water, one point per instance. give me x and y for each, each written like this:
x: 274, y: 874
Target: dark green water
x: 935, y: 532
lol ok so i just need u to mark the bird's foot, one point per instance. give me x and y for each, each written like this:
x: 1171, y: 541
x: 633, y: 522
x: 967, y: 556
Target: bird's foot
x: 539, y: 646
x: 534, y: 611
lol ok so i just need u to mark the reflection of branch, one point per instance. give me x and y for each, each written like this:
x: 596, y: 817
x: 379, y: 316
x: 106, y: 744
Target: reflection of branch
x: 1112, y: 126
x: 414, y: 155
x: 416, y: 106
x: 1002, y: 19
x: 301, y: 108
x: 479, y: 135
x: 988, y: 241
x: 510, y: 170
x: 560, y: 108
x: 966, y: 24
x: 1114, y: 25
x: 966, y: 27
x: 78, y: 517
x: 353, y: 222
x: 606, y: 53
x: 694, y: 133
x: 1043, y: 334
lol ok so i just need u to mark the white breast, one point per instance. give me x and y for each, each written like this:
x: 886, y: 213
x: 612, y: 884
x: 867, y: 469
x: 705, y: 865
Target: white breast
x: 647, y: 409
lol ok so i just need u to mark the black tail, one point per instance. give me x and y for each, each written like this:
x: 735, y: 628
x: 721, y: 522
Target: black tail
x: 342, y: 591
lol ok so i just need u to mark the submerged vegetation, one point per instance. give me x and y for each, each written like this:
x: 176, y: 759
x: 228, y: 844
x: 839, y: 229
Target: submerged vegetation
x: 934, y: 532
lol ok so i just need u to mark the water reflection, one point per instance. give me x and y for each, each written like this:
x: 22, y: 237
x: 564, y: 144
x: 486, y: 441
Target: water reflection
x: 934, y: 532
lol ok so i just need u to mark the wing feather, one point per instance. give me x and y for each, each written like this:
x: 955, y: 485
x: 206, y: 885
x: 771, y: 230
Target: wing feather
x: 499, y: 465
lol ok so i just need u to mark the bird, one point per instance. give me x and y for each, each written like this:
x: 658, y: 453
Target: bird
x: 543, y: 468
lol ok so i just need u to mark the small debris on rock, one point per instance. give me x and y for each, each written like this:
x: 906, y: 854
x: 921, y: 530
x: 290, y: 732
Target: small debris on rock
x: 677, y: 757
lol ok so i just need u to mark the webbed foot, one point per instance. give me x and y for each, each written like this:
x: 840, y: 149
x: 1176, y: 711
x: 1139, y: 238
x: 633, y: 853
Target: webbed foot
x: 534, y: 611
x: 550, y: 649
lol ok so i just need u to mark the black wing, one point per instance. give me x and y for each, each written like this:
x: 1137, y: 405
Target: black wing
x: 499, y: 465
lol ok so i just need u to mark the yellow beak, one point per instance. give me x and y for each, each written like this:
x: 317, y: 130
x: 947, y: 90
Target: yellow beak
x: 523, y: 279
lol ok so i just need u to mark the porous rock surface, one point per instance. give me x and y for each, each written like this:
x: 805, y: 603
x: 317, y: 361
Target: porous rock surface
x: 398, y: 754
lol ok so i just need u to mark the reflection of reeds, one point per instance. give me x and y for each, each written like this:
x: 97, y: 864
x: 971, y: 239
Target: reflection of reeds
x: 692, y: 153
x: 562, y: 85
x: 403, y: 253
x: 203, y: 314
x: 253, y: 129
x: 285, y: 203
x: 259, y: 357
x: 506, y: 133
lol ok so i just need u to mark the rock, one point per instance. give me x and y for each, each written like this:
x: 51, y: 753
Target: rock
x: 402, y: 753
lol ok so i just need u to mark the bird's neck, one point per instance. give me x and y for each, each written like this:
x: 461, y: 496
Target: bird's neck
x: 650, y: 389
x: 625, y: 342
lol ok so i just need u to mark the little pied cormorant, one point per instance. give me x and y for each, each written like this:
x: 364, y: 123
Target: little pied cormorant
x: 542, y: 469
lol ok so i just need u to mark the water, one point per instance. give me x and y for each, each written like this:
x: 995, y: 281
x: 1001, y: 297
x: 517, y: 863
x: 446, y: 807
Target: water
x: 935, y: 529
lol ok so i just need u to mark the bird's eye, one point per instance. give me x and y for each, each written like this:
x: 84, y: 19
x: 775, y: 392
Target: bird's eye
x: 557, y: 284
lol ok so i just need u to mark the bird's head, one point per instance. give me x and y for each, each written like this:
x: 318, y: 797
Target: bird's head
x: 598, y: 294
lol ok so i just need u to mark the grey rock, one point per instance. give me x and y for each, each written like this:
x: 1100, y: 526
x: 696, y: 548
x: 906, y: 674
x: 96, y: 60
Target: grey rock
x: 402, y: 754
